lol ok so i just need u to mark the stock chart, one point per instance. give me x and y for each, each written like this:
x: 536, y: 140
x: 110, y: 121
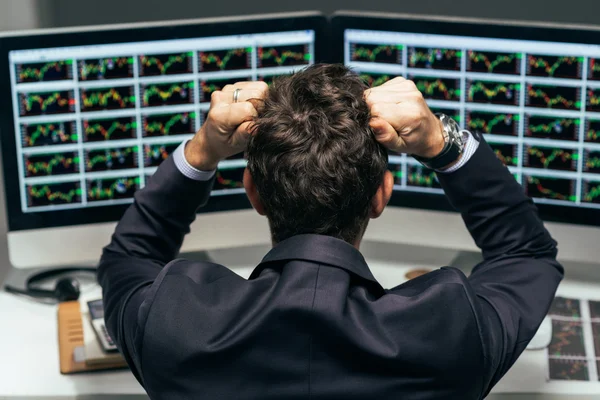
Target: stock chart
x: 555, y: 66
x: 45, y: 71
x: 552, y: 188
x: 493, y: 123
x: 557, y: 97
x: 48, y: 134
x: 107, y: 189
x: 391, y: 54
x: 506, y: 152
x: 559, y: 128
x: 278, y: 56
x: 155, y: 154
x: 437, y: 88
x: 225, y: 60
x: 44, y: 103
x: 103, y: 117
x: 373, y: 79
x: 51, y: 164
x: 493, y: 92
x: 227, y: 179
x: 592, y: 131
x: 594, y: 69
x: 590, y: 191
x: 167, y: 94
x: 550, y: 158
x: 591, y: 161
x: 111, y: 159
x: 98, y: 130
x: 52, y: 194
x: 396, y: 170
x: 572, y: 347
x: 419, y: 176
x: 567, y: 339
x: 494, y: 62
x: 593, y: 100
x: 166, y: 64
x: 434, y: 58
x: 169, y: 124
x: 537, y: 104
x: 568, y: 369
x: 106, y: 68
x: 107, y: 98
x: 565, y: 307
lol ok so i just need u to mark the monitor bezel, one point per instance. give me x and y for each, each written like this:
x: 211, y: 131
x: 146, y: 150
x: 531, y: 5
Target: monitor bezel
x: 343, y: 20
x: 16, y: 219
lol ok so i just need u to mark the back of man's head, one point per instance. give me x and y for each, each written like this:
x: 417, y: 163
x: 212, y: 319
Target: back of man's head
x: 313, y: 157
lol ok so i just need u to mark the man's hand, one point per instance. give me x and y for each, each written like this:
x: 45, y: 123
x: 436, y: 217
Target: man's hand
x: 402, y: 121
x: 228, y: 127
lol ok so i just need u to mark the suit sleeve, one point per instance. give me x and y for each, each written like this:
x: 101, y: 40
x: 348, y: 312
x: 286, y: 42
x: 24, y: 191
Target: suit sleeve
x: 148, y: 236
x: 512, y: 289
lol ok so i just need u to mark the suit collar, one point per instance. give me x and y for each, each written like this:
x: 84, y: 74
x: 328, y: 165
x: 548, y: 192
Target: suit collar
x: 319, y: 249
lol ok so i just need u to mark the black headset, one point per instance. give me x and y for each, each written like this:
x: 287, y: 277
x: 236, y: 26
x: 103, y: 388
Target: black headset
x: 65, y: 289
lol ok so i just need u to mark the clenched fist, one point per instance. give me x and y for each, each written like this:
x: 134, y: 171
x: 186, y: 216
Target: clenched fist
x: 228, y: 127
x: 402, y: 121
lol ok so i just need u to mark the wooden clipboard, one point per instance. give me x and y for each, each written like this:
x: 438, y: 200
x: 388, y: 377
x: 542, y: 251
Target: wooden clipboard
x: 71, y: 342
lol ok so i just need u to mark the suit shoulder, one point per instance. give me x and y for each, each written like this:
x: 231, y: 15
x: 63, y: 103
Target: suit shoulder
x: 199, y: 271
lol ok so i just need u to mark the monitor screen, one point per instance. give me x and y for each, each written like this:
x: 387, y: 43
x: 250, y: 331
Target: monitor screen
x: 87, y: 123
x: 536, y: 101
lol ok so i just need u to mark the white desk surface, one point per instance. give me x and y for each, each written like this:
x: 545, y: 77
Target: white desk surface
x: 29, y: 364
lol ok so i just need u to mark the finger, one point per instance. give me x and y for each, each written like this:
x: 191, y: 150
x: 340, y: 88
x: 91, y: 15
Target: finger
x: 218, y: 97
x: 402, y: 87
x: 387, y: 135
x: 399, y: 116
x: 249, y: 94
x: 242, y: 134
x: 233, y: 115
x: 250, y: 85
x: 395, y: 81
x: 227, y: 97
x: 392, y: 97
x: 258, y: 104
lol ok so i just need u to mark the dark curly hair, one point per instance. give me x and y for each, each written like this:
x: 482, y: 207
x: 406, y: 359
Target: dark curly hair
x: 313, y: 157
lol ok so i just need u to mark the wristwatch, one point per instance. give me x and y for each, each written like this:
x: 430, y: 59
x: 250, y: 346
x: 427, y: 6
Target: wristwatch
x: 453, y: 148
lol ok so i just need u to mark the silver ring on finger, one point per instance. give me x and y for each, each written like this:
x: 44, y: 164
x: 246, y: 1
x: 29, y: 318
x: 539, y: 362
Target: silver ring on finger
x: 236, y: 95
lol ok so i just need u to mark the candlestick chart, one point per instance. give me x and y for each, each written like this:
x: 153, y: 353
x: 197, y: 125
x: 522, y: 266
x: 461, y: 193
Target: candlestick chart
x: 166, y: 64
x: 225, y: 60
x: 106, y: 189
x: 98, y: 69
x: 374, y: 53
x: 108, y: 129
x: 434, y: 58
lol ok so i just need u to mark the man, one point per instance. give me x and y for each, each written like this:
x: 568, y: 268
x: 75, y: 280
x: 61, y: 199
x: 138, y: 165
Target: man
x: 312, y: 322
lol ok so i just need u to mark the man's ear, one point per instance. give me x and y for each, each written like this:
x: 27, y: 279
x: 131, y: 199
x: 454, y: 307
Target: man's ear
x: 252, y: 193
x: 382, y: 196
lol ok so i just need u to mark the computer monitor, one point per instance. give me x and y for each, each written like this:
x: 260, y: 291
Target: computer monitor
x: 532, y: 89
x: 89, y: 114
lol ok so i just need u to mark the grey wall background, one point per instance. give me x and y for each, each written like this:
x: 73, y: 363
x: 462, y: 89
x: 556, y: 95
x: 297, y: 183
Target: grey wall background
x: 27, y: 14
x: 77, y: 12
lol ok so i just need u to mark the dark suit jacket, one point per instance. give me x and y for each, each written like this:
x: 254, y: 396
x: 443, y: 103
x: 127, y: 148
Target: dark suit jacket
x: 312, y: 322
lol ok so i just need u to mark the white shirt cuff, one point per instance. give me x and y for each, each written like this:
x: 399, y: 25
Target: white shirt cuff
x: 186, y: 169
x: 471, y: 145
